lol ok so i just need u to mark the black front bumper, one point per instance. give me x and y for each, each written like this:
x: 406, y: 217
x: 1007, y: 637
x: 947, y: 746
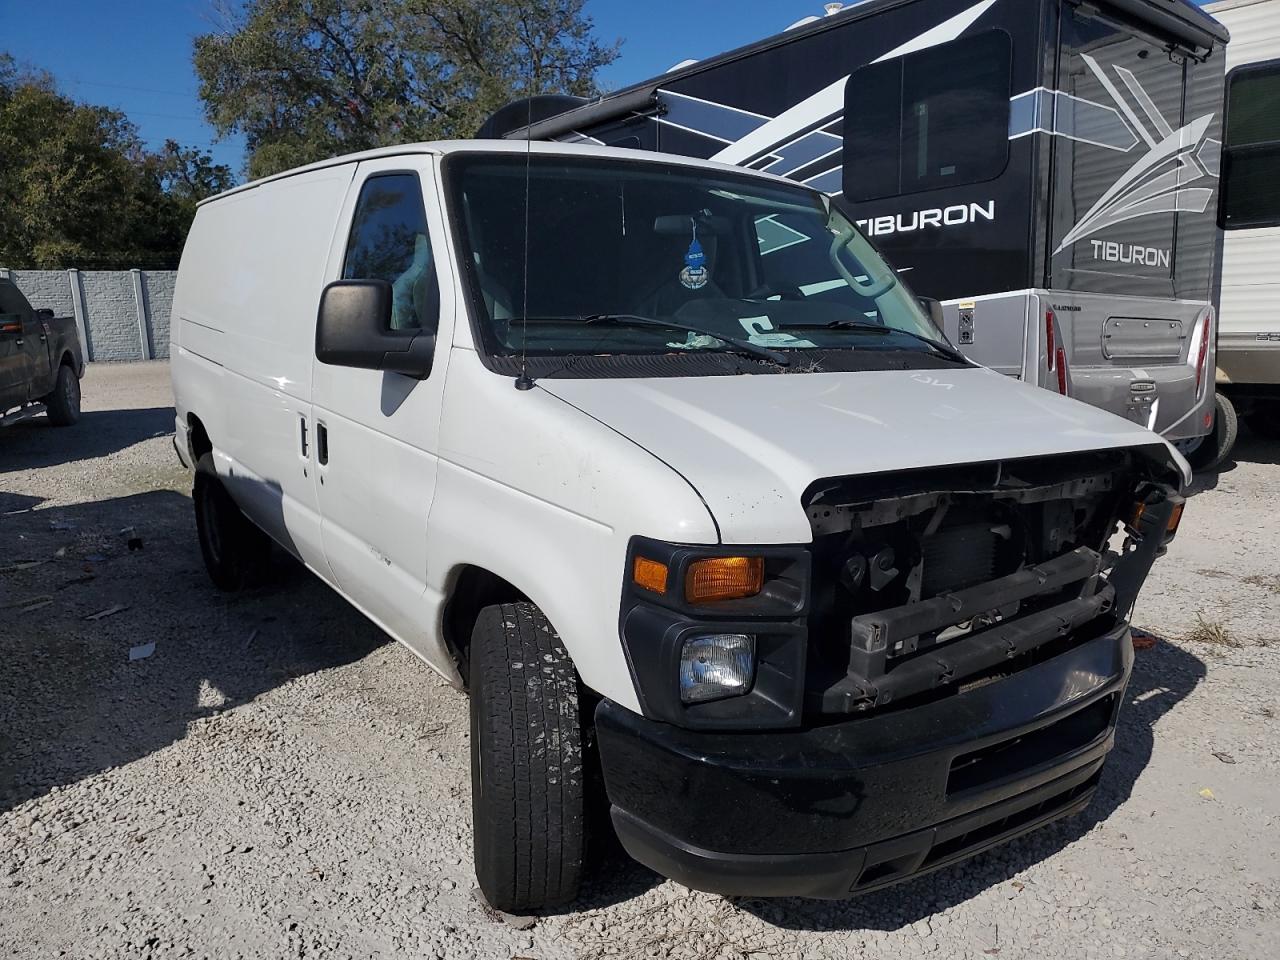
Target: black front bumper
x: 850, y: 806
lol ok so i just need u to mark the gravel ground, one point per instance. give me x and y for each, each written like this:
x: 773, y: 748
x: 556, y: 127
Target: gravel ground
x: 277, y: 779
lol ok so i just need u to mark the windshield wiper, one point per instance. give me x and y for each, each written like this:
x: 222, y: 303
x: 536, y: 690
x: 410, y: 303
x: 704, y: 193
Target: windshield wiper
x: 741, y: 347
x: 937, y: 346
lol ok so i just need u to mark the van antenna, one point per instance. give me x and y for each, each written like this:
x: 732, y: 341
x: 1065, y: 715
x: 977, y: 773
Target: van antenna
x: 523, y: 382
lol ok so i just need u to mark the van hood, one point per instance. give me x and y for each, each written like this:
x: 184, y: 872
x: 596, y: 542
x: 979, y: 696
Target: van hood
x: 751, y: 445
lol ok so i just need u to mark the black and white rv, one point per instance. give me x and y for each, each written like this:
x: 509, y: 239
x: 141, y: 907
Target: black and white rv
x: 1045, y: 168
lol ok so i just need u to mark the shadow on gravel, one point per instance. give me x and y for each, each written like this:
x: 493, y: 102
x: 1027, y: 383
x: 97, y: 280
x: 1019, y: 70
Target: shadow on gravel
x: 1162, y: 676
x: 32, y: 444
x: 72, y: 703
x: 1249, y: 448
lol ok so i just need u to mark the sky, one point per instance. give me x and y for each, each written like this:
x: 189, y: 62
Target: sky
x: 135, y: 55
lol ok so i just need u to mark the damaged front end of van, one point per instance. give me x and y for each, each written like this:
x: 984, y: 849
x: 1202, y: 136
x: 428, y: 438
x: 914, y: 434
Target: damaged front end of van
x: 940, y: 669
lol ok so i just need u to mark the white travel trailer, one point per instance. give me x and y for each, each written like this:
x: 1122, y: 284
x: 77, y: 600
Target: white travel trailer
x: 827, y: 604
x: 1249, y: 308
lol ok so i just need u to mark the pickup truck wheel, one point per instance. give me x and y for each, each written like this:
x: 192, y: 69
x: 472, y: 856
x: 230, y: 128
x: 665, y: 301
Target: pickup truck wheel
x: 236, y: 553
x: 1214, y: 448
x: 63, y: 404
x: 526, y: 761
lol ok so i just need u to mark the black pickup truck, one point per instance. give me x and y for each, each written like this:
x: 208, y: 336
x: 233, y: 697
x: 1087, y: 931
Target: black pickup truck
x: 40, y: 361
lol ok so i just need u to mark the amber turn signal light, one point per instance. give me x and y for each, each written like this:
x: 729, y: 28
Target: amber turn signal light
x: 1175, y: 517
x: 650, y: 574
x: 723, y: 578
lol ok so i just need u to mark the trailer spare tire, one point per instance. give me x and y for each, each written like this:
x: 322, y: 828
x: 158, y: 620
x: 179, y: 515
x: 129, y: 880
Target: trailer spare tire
x: 1209, y: 453
x: 527, y: 779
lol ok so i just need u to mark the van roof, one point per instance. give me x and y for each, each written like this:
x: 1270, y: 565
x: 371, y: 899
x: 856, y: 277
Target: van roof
x: 444, y: 147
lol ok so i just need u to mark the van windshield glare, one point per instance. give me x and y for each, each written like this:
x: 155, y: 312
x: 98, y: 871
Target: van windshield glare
x: 698, y: 255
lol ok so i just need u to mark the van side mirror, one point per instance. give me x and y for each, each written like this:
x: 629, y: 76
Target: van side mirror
x: 1249, y: 189
x: 45, y: 314
x: 934, y: 309
x: 353, y: 329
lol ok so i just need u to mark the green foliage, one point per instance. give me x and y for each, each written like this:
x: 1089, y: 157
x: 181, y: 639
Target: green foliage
x: 79, y: 188
x: 309, y: 79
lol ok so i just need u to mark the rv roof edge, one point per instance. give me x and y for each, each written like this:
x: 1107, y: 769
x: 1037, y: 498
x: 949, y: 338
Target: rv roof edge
x: 1182, y: 22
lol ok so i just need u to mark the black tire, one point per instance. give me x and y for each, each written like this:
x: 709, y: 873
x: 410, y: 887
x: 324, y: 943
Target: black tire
x: 527, y: 779
x: 63, y: 404
x: 1264, y: 419
x: 1216, y: 446
x: 236, y: 553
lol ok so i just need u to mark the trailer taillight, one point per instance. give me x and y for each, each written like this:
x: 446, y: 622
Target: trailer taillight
x: 1055, y: 351
x: 1048, y: 336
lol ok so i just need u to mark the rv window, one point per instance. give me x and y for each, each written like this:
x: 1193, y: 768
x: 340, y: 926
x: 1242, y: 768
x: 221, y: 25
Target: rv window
x: 389, y: 242
x: 936, y: 118
x: 1251, y: 149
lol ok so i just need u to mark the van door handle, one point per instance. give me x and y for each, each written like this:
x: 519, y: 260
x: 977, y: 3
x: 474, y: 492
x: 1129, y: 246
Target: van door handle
x: 302, y: 427
x: 322, y: 443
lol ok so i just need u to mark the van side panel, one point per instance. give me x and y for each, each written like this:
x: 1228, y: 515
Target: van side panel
x: 245, y: 306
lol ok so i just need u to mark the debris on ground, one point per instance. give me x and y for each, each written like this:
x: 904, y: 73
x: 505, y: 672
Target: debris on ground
x: 142, y: 651
x: 108, y: 612
x: 25, y: 602
x: 1143, y: 639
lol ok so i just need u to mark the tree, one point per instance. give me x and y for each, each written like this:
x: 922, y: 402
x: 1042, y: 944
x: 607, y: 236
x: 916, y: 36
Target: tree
x: 79, y: 188
x: 308, y: 79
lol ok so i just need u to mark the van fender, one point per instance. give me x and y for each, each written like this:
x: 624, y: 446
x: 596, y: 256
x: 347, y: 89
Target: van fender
x: 568, y: 565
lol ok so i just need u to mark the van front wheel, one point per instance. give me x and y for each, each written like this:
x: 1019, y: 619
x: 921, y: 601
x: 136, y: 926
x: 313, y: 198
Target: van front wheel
x: 236, y: 553
x: 526, y: 761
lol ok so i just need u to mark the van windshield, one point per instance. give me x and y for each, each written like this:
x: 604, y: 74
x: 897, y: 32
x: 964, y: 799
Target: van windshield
x: 640, y: 258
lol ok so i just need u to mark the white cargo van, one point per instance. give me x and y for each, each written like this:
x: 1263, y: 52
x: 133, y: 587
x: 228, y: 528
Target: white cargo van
x: 826, y: 603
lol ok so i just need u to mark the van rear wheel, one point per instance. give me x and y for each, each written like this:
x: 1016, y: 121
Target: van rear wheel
x: 236, y: 553
x: 527, y: 778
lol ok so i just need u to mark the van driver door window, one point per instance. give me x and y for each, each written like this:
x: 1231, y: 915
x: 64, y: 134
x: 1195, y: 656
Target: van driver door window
x: 389, y: 241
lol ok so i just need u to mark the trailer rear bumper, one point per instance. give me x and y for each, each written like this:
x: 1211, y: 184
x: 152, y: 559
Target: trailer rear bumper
x: 1160, y: 398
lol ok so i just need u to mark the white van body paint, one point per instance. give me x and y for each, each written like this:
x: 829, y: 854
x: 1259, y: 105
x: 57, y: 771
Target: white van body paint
x: 543, y: 487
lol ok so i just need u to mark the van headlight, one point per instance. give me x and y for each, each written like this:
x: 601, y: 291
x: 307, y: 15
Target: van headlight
x: 717, y: 665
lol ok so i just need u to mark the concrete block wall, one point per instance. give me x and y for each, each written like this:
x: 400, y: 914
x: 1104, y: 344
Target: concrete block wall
x: 121, y: 314
x: 45, y: 289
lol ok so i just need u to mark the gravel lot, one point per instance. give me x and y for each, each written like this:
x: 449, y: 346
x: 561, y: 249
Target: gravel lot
x: 279, y: 780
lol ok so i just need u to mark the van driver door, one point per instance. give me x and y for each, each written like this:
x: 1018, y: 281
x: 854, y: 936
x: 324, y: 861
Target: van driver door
x: 376, y: 432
